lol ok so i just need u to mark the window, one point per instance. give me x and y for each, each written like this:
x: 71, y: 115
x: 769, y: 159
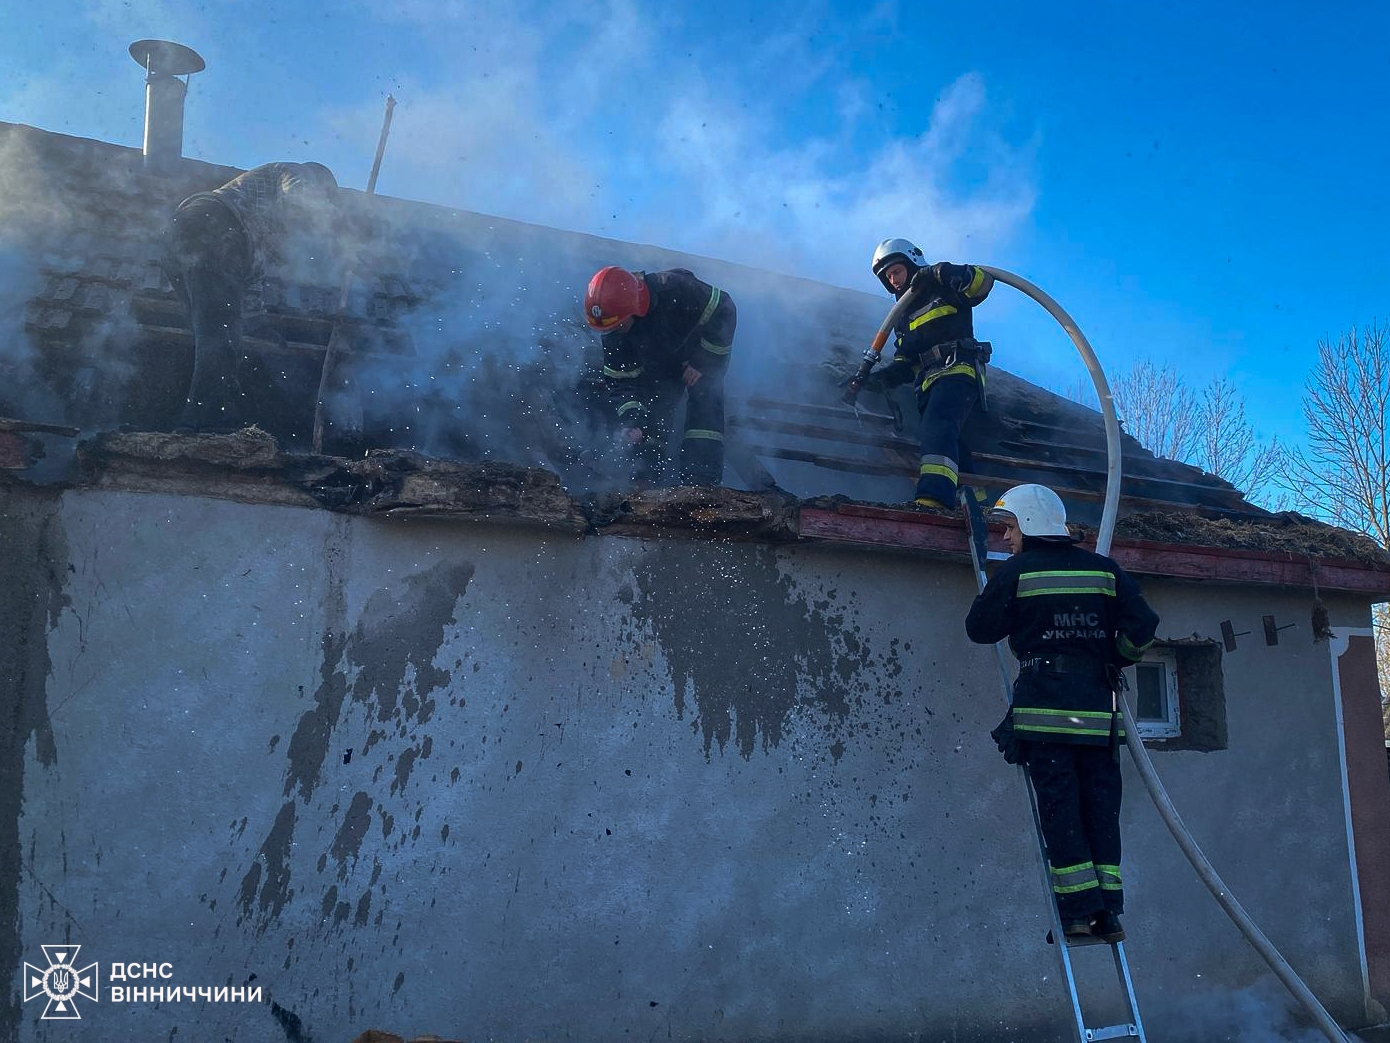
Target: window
x: 1156, y: 695
x: 1179, y: 696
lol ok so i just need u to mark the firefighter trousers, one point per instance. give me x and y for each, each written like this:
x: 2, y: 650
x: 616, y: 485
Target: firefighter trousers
x: 945, y: 407
x: 702, y: 446
x: 701, y: 442
x: 207, y: 259
x: 1078, y: 792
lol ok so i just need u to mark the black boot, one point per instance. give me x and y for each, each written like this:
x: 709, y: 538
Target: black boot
x: 1077, y: 927
x: 1106, y: 926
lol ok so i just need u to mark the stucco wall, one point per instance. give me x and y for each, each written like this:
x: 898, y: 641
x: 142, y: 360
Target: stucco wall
x: 505, y: 784
x: 1269, y: 812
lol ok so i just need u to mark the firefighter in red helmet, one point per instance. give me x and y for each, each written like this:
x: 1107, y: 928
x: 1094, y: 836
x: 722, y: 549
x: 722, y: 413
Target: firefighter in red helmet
x: 665, y: 335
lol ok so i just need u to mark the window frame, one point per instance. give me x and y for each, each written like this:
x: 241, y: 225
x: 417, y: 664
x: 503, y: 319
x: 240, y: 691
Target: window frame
x: 1170, y: 726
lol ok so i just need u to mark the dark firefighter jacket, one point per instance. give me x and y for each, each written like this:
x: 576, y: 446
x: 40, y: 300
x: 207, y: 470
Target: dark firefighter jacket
x: 1070, y: 616
x: 687, y: 321
x: 267, y: 201
x: 940, y: 317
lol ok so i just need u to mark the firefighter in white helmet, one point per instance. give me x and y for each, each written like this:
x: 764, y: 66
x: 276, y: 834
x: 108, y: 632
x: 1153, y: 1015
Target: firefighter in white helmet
x: 936, y: 349
x: 1074, y: 620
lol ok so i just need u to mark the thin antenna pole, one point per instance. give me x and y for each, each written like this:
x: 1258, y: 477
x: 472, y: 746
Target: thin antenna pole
x: 334, y: 350
x: 381, y: 145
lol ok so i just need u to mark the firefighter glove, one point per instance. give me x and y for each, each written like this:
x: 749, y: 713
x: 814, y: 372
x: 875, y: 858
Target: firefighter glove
x: 1010, y: 745
x: 945, y: 278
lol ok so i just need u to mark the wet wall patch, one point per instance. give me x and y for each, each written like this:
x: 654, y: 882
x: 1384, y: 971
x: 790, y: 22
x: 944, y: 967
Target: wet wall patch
x: 307, y: 749
x: 745, y: 643
x: 36, y: 565
x: 308, y: 746
x: 396, y: 639
x: 392, y: 649
x: 349, y: 839
x: 266, y: 886
x: 387, y: 665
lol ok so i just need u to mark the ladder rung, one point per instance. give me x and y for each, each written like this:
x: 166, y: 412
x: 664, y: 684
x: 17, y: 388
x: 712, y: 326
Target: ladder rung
x: 1113, y: 1032
x: 1076, y: 941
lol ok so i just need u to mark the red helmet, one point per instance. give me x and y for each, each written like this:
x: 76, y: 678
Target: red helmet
x: 614, y: 296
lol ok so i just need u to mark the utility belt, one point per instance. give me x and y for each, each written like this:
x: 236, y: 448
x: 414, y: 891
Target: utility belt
x: 1077, y: 666
x: 965, y: 351
x: 946, y: 354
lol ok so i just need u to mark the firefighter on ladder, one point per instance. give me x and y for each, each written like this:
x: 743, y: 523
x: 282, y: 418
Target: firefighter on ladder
x: 937, y: 350
x: 665, y: 334
x: 1074, y: 619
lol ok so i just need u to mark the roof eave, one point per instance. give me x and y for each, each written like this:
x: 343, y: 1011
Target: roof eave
x: 945, y: 535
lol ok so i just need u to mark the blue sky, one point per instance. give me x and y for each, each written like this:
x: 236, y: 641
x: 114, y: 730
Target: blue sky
x: 1197, y: 184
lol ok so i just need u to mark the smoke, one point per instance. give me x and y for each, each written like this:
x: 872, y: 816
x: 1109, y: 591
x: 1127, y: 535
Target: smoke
x: 500, y: 364
x: 18, y: 284
x: 1260, y: 1013
x: 630, y: 122
x: 792, y: 209
x: 751, y: 154
x: 626, y: 122
x: 33, y: 225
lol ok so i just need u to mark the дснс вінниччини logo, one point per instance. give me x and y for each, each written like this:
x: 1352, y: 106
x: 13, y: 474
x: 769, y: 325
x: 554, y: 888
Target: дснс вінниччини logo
x: 60, y: 981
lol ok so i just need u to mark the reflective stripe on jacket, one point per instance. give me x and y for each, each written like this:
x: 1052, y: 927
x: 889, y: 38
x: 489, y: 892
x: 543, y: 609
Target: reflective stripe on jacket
x: 688, y: 322
x: 1060, y: 604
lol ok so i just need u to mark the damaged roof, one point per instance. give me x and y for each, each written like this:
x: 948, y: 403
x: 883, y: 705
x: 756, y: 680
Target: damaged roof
x: 470, y: 350
x: 251, y: 466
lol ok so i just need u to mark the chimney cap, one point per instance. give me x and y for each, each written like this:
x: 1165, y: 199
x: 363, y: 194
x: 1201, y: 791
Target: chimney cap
x: 166, y: 57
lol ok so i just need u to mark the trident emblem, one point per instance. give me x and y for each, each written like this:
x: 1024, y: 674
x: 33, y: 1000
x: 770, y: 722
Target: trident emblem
x: 61, y: 982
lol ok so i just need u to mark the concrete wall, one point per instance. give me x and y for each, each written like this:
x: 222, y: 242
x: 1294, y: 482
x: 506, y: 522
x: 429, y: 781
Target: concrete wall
x: 497, y: 783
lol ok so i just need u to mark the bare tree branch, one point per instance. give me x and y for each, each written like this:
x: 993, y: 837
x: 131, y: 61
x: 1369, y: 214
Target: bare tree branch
x: 1158, y: 409
x: 1345, y: 474
x: 1210, y: 430
x: 1227, y: 446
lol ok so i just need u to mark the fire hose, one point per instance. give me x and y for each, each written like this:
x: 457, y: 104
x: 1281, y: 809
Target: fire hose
x: 874, y: 350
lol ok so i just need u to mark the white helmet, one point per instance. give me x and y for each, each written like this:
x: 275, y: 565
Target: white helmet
x: 896, y: 251
x: 1037, y: 508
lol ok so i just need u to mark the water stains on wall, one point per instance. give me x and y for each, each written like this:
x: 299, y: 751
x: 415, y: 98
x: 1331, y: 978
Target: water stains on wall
x: 387, y: 665
x: 749, y: 645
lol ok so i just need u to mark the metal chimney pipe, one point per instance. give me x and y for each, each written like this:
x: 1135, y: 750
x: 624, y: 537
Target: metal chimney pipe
x: 164, y: 62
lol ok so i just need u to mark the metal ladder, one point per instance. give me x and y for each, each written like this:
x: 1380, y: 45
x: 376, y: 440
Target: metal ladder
x: 1134, y: 1027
